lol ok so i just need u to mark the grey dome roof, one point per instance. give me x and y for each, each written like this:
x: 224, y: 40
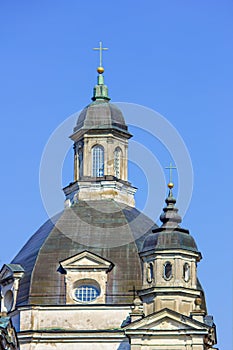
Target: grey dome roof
x: 101, y: 114
x: 95, y: 226
x: 171, y: 239
x: 170, y: 235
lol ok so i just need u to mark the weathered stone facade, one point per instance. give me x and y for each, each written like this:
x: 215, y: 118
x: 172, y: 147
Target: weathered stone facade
x: 8, y: 337
x: 102, y: 275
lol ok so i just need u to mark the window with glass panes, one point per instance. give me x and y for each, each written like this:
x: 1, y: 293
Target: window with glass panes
x: 86, y: 293
x: 98, y: 161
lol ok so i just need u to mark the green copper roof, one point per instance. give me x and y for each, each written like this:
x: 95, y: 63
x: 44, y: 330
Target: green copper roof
x: 15, y: 267
x: 100, y: 90
x: 4, y: 321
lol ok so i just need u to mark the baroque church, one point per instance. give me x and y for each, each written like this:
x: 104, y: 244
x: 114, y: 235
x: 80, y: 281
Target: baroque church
x: 101, y: 274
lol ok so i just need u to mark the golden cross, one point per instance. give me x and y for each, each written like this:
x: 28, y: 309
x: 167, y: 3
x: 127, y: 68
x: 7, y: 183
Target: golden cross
x: 101, y: 49
x: 170, y: 167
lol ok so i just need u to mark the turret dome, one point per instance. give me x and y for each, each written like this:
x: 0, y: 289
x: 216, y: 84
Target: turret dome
x: 170, y: 235
x: 172, y: 239
x: 101, y: 114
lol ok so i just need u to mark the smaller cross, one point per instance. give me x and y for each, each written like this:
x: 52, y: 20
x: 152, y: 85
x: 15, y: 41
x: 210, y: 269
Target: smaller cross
x: 101, y: 49
x: 170, y: 167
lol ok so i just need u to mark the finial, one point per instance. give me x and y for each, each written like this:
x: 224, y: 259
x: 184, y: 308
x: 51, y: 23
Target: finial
x: 100, y: 90
x: 100, y: 69
x: 170, y: 184
x: 170, y: 217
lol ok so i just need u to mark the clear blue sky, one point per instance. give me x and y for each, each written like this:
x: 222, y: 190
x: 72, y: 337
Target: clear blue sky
x: 172, y: 56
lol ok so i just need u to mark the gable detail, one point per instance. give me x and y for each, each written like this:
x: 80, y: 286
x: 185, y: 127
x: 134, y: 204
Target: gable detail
x: 10, y: 276
x: 175, y: 330
x: 86, y: 260
x: 85, y: 277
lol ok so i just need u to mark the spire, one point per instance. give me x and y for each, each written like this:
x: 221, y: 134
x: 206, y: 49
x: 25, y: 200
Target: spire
x: 100, y: 90
x: 170, y: 217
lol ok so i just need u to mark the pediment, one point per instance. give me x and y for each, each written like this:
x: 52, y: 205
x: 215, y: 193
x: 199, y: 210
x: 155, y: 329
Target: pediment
x: 9, y: 271
x: 165, y: 320
x: 167, y: 324
x: 86, y: 260
x: 5, y: 273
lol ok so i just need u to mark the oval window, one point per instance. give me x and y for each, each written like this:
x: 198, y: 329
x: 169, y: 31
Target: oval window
x: 86, y: 293
x: 186, y: 272
x: 8, y: 300
x: 167, y: 270
x: 150, y: 272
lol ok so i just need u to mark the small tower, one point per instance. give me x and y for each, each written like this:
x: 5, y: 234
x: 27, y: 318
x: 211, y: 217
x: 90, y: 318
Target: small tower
x: 100, y: 150
x: 174, y: 313
x: 170, y: 258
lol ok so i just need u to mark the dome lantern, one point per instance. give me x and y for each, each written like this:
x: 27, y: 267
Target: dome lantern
x: 100, y: 151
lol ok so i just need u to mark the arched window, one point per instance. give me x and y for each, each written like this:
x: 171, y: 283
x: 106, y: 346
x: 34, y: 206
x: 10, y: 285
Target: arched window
x: 80, y: 158
x: 97, y: 161
x: 117, y: 162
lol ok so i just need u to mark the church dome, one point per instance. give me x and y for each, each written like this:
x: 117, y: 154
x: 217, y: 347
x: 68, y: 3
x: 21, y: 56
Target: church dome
x: 99, y: 222
x: 107, y: 228
x: 101, y: 114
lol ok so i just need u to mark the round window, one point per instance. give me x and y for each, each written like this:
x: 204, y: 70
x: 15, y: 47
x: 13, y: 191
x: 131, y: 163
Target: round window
x: 86, y: 293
